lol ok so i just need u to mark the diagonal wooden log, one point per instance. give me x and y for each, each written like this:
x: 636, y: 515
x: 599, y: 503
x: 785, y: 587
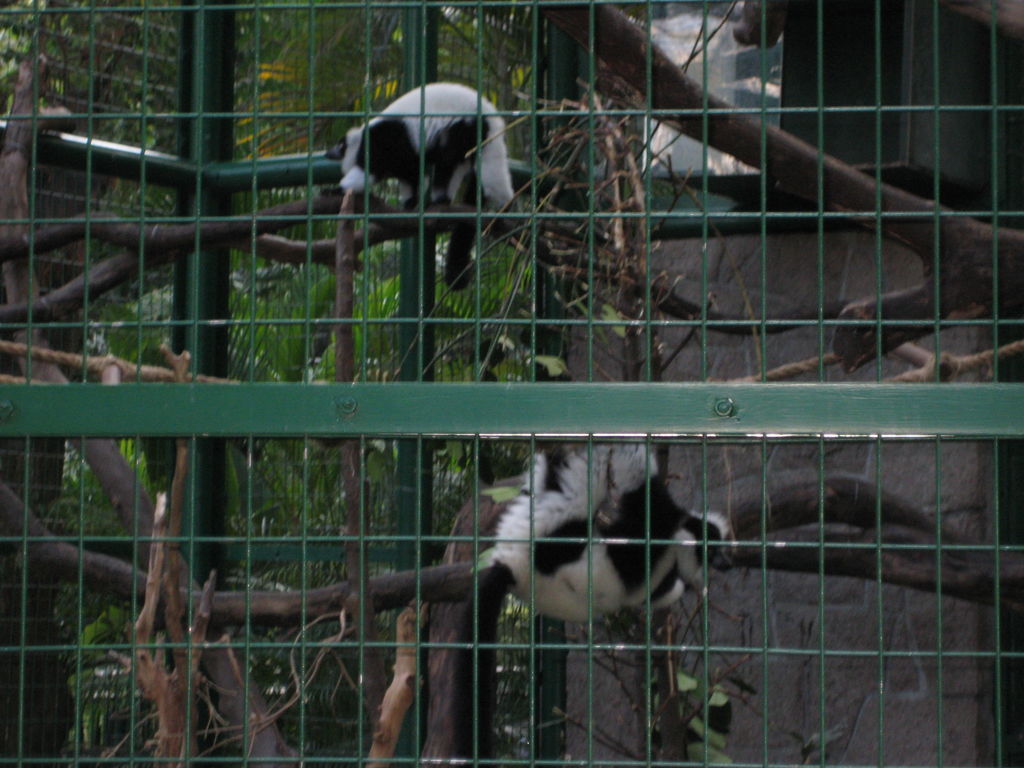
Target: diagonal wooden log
x: 622, y: 46
x: 118, y: 480
x: 967, y: 249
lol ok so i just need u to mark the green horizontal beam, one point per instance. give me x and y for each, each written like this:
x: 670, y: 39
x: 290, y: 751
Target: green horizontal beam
x: 66, y: 150
x: 272, y: 172
x: 280, y: 410
x: 291, y: 171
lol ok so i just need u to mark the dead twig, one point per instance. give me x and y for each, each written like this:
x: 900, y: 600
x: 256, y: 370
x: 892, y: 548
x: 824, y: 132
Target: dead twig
x: 158, y: 685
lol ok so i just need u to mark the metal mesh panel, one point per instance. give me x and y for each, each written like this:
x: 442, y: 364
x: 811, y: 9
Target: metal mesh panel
x: 766, y: 249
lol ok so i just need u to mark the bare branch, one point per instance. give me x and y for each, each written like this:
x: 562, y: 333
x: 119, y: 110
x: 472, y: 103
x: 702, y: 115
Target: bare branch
x: 400, y: 693
x: 165, y: 688
x: 243, y: 705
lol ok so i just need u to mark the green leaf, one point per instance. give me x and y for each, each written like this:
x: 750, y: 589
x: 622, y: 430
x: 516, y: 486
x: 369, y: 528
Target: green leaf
x: 484, y: 560
x: 695, y: 752
x: 454, y: 449
x: 719, y: 698
x: 610, y: 313
x: 711, y: 736
x: 555, y: 365
x: 501, y: 493
x: 685, y: 682
x: 376, y: 467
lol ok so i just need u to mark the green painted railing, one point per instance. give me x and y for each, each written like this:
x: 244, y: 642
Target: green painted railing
x: 400, y: 409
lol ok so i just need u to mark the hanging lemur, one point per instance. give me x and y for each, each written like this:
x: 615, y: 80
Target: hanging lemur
x: 578, y: 541
x: 446, y: 123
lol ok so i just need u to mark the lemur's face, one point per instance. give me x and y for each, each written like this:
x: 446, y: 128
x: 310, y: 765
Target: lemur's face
x: 347, y: 150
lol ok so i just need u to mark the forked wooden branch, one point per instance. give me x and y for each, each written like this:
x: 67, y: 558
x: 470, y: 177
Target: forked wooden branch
x: 399, y: 695
x: 159, y: 685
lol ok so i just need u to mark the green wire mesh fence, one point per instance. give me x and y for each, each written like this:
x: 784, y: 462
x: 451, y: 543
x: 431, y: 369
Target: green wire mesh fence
x: 262, y: 459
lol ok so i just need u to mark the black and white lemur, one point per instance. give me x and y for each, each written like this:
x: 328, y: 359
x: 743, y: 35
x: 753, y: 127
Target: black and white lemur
x: 445, y: 123
x: 588, y: 535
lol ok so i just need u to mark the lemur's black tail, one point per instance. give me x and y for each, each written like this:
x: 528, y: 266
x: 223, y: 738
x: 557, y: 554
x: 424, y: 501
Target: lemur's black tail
x: 477, y: 696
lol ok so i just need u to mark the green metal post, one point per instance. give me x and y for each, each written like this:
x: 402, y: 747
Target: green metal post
x: 562, y: 56
x: 416, y: 340
x: 201, y: 283
x: 416, y: 301
x: 1010, y: 667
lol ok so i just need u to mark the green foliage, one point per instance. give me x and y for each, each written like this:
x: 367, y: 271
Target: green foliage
x: 695, y: 702
x: 277, y: 336
x: 120, y: 62
x: 130, y: 325
x: 102, y: 681
x: 295, y: 63
x: 555, y: 366
x: 502, y: 493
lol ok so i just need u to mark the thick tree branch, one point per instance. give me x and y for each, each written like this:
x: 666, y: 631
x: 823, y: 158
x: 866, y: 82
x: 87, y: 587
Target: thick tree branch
x: 792, y: 163
x: 166, y: 237
x: 967, y: 572
x: 478, y: 517
x: 242, y: 704
x: 46, y: 553
x: 116, y: 270
x: 848, y: 501
x: 967, y: 246
x: 110, y: 575
x: 239, y: 231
